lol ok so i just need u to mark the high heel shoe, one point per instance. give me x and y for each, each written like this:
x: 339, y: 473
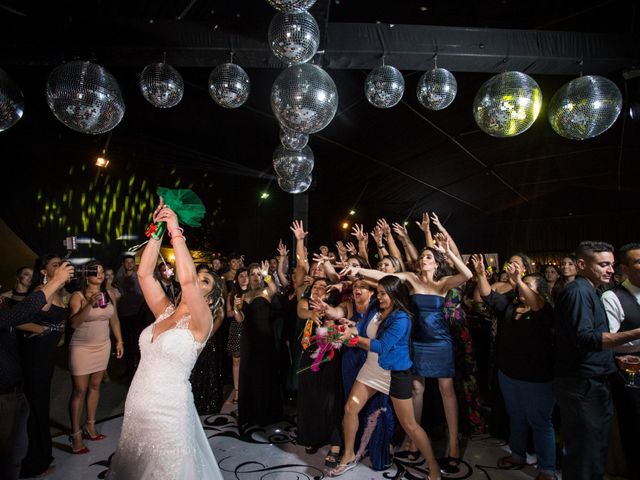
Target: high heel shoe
x: 80, y: 451
x: 88, y: 436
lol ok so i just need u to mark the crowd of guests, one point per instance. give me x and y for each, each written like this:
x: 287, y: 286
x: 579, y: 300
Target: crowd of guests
x: 373, y: 340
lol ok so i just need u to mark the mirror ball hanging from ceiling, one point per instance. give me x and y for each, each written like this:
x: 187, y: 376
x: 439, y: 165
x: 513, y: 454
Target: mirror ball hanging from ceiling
x: 294, y: 37
x: 437, y: 89
x: 384, y: 86
x: 161, y: 85
x: 229, y: 85
x: 507, y: 104
x: 585, y: 107
x: 293, y: 140
x: 295, y: 185
x: 85, y: 97
x: 304, y: 98
x: 291, y: 5
x: 292, y: 164
x: 11, y: 102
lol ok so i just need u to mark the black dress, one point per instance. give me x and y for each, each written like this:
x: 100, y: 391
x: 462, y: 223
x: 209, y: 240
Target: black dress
x: 320, y: 400
x: 206, y: 379
x: 259, y: 399
x: 38, y: 362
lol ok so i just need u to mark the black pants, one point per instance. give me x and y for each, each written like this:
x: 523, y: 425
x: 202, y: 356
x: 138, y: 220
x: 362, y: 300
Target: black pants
x: 14, y: 411
x: 627, y: 402
x: 586, y: 409
x: 132, y: 326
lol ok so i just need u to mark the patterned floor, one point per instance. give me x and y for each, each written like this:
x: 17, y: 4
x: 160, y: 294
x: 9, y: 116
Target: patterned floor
x: 273, y: 454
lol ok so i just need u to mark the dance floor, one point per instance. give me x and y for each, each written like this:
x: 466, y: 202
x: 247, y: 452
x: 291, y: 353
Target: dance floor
x: 272, y: 453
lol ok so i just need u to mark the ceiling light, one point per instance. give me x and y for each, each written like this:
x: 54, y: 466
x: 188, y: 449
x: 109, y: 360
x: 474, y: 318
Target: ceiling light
x: 102, y: 162
x: 634, y: 110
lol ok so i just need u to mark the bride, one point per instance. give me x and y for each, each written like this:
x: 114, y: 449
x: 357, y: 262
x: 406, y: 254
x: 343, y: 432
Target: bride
x: 162, y: 437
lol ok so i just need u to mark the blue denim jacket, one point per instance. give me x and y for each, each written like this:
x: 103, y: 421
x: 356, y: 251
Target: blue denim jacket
x: 392, y: 344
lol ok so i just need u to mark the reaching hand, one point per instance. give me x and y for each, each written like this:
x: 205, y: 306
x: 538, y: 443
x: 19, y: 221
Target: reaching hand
x: 478, y: 264
x: 168, y: 216
x: 424, y: 225
x: 384, y: 226
x: 351, y: 248
x: 264, y: 268
x: 282, y: 249
x: 358, y: 232
x: 320, y: 259
x: 436, y: 221
x: 334, y: 287
x: 349, y: 271
x: 376, y: 234
x: 298, y: 230
x: 63, y: 273
x: 513, y: 269
x: 342, y: 250
x: 400, y: 230
x: 318, y: 305
x: 443, y: 244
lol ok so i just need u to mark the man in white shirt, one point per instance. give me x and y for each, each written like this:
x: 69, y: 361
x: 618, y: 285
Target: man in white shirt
x: 622, y: 304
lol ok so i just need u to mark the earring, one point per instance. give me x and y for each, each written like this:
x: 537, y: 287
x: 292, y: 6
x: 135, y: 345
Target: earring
x: 45, y: 279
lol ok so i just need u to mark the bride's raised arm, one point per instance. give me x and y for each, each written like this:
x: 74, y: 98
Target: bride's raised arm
x: 201, y: 317
x: 153, y: 293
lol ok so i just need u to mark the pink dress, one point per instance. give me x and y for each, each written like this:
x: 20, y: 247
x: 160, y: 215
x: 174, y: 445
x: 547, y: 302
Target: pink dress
x: 90, y: 344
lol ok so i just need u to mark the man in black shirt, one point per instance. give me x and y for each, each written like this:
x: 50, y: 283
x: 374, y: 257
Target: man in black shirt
x: 584, y: 361
x: 14, y: 409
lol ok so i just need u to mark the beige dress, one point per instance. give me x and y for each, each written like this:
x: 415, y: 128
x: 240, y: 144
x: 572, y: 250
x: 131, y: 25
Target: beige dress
x: 90, y: 345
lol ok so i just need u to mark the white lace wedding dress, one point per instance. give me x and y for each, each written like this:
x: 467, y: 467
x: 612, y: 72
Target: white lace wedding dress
x: 162, y: 437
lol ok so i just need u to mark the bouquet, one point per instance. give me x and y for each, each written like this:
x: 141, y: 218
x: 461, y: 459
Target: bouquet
x: 327, y: 340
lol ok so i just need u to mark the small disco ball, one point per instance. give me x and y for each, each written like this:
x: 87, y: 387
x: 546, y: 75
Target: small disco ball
x: 229, y: 85
x: 161, y: 85
x: 507, y: 104
x: 85, y: 97
x: 292, y: 164
x: 436, y: 89
x: 304, y: 98
x: 585, y: 107
x: 293, y: 140
x: 294, y: 37
x: 11, y: 102
x: 384, y: 86
x: 291, y: 5
x: 294, y: 185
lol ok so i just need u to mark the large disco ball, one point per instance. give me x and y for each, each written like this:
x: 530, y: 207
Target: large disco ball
x: 11, y: 102
x: 229, y: 85
x: 294, y: 185
x: 304, y: 98
x: 585, y: 107
x: 294, y: 37
x: 436, y: 89
x: 85, y: 97
x: 293, y: 140
x: 291, y: 5
x: 161, y: 85
x: 292, y: 164
x: 507, y: 104
x: 384, y: 86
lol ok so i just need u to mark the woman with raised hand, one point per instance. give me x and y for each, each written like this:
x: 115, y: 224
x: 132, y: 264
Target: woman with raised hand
x: 93, y: 313
x: 431, y: 339
x: 233, y: 307
x: 386, y: 370
x: 162, y: 436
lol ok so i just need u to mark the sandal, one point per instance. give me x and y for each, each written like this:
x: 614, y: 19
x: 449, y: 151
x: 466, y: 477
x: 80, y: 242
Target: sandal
x: 409, y: 455
x: 510, y: 463
x: 333, y: 457
x: 449, y: 465
x: 343, y: 468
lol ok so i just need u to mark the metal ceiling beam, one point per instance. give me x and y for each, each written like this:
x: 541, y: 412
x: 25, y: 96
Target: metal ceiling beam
x: 134, y: 43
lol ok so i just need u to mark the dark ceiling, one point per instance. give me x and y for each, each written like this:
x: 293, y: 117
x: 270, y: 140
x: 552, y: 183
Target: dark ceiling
x: 537, y: 191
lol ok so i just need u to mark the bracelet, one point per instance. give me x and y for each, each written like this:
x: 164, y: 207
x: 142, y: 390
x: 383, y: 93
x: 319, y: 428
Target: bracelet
x: 173, y: 230
x: 381, y: 246
x: 176, y: 237
x: 353, y: 341
x: 267, y: 278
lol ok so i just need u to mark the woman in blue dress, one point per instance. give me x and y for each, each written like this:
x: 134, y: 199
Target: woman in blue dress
x: 432, y: 353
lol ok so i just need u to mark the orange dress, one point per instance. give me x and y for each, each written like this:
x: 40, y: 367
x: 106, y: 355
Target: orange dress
x: 90, y: 345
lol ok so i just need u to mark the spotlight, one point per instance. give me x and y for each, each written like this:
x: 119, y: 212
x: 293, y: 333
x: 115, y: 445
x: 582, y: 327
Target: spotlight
x: 102, y: 162
x: 352, y: 212
x: 264, y: 195
x: 634, y: 110
x: 345, y: 225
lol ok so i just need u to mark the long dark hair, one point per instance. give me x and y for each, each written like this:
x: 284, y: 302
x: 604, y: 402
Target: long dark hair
x: 39, y: 265
x: 442, y: 267
x: 92, y: 268
x: 542, y: 286
x: 235, y: 290
x: 399, y: 295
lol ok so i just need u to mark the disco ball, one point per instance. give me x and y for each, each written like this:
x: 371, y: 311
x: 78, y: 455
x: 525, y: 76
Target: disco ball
x: 293, y: 140
x: 161, y: 85
x: 291, y: 5
x: 292, y: 185
x: 384, y: 86
x: 11, y: 102
x: 585, y: 107
x: 85, y: 97
x: 229, y: 85
x: 304, y: 98
x: 507, y: 104
x: 294, y: 37
x: 436, y: 89
x: 291, y: 164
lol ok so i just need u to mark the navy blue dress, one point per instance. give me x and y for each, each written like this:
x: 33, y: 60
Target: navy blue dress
x: 379, y: 405
x: 432, y: 354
